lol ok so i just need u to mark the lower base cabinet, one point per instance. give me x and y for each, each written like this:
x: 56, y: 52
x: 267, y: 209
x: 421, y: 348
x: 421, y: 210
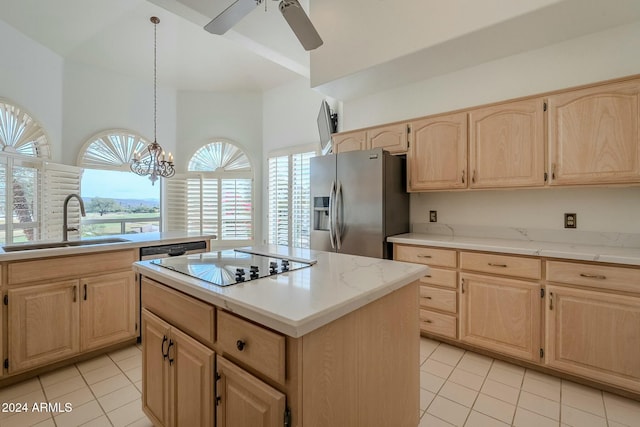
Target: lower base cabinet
x: 245, y: 401
x: 594, y: 335
x: 501, y: 314
x: 177, y: 376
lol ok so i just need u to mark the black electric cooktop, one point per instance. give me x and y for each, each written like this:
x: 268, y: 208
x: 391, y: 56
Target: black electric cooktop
x: 224, y: 268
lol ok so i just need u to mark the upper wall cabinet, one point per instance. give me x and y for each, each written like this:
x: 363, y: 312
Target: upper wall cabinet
x: 350, y: 141
x: 506, y: 145
x: 437, y: 158
x: 594, y: 135
x: 393, y: 138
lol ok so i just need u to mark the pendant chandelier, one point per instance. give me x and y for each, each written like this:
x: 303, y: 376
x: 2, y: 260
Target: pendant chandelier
x: 152, y: 160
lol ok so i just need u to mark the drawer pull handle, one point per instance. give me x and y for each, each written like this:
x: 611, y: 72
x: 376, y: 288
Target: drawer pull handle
x: 85, y: 292
x: 462, y: 285
x: 593, y: 276
x: 427, y: 276
x: 164, y: 340
x: 240, y: 345
x: 75, y: 289
x: 424, y: 256
x: 428, y: 321
x: 428, y: 297
x: 550, y: 300
x: 493, y: 264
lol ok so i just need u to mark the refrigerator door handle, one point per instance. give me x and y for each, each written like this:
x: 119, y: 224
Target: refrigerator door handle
x: 332, y: 203
x: 339, y: 215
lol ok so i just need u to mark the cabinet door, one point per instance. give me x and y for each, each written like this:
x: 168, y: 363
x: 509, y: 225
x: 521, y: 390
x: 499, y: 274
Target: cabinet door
x: 437, y: 158
x: 594, y: 334
x: 245, y: 401
x: 192, y: 379
x: 501, y: 315
x: 506, y: 145
x: 155, y: 371
x: 393, y: 138
x: 350, y: 141
x: 108, y: 309
x: 43, y: 324
x: 594, y: 135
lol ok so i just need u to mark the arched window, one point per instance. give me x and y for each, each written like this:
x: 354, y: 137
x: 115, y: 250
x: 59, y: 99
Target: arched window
x: 24, y: 147
x: 220, y: 191
x: 117, y: 200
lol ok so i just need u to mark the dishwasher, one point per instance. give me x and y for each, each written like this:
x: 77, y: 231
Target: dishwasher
x: 164, y: 251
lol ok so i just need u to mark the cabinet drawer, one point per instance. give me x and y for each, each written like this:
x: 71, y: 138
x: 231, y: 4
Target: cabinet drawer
x: 439, y: 299
x: 593, y: 275
x: 189, y: 314
x: 439, y: 277
x: 426, y: 255
x: 437, y: 323
x: 506, y: 265
x: 252, y: 345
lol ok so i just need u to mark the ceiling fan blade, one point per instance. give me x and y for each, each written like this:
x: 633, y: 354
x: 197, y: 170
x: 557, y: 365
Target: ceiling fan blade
x: 300, y: 23
x: 231, y: 16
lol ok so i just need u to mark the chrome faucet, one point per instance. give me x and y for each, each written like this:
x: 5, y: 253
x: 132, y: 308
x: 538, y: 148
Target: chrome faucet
x: 65, y: 226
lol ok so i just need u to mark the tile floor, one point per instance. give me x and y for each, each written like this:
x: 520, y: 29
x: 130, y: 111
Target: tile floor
x: 457, y: 387
x: 462, y: 388
x: 104, y: 391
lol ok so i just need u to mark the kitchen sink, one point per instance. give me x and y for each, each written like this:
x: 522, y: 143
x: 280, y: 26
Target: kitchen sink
x: 69, y: 243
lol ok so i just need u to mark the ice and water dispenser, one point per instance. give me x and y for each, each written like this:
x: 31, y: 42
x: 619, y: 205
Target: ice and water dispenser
x: 321, y: 213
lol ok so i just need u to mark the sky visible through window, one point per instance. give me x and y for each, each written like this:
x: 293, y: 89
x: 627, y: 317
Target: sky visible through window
x: 118, y: 185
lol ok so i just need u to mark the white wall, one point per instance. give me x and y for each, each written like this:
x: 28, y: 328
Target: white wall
x: 96, y: 99
x: 204, y: 116
x: 600, y: 56
x: 289, y: 120
x: 31, y: 77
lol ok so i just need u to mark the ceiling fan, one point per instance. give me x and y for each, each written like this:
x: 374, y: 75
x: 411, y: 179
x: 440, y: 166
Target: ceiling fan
x: 293, y: 13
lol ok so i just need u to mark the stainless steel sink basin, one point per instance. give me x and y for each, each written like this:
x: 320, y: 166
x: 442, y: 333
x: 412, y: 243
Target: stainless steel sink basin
x: 70, y: 243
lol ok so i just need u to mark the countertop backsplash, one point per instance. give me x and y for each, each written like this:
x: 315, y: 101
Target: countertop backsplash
x: 612, y: 239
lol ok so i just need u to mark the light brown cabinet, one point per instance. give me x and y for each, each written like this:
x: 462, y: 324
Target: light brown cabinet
x: 594, y: 334
x: 392, y: 138
x: 506, y: 145
x: 107, y: 311
x: 43, y: 324
x: 438, y: 297
x: 437, y: 157
x: 177, y: 376
x: 350, y: 141
x: 244, y: 400
x: 594, y: 135
x: 501, y: 314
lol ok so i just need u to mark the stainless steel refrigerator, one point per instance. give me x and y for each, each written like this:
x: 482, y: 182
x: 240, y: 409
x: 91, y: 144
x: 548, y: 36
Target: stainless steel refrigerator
x: 359, y: 198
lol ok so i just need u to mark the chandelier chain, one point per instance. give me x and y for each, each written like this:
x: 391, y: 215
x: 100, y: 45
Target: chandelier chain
x: 155, y: 79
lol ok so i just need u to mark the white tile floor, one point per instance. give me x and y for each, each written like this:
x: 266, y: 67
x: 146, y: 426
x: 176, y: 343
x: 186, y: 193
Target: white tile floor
x: 104, y: 391
x: 457, y: 388
x: 462, y: 388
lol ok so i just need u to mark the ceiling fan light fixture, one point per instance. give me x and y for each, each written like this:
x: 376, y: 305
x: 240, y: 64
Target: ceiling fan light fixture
x: 300, y: 23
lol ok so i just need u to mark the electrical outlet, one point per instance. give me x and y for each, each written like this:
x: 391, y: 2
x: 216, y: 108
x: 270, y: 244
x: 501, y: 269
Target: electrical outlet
x: 433, y: 216
x: 570, y: 220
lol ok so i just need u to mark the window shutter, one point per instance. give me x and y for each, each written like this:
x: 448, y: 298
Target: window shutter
x: 301, y: 200
x: 209, y: 206
x: 59, y: 181
x: 175, y: 201
x: 236, y: 209
x: 278, y: 190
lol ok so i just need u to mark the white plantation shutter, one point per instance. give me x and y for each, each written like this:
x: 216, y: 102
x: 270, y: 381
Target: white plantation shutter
x: 278, y: 190
x: 219, y: 192
x: 289, y: 204
x: 175, y: 203
x: 59, y: 181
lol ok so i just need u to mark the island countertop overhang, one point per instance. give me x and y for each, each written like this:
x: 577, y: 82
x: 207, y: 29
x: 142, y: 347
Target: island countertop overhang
x: 298, y: 302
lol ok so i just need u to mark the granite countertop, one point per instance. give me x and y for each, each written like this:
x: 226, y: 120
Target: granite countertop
x: 135, y: 240
x: 572, y: 251
x: 299, y: 301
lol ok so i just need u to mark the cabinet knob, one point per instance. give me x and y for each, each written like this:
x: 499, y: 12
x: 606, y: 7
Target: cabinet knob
x: 240, y: 345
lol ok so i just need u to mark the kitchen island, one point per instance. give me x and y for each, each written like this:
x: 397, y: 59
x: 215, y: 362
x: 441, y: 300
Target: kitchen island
x: 332, y: 344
